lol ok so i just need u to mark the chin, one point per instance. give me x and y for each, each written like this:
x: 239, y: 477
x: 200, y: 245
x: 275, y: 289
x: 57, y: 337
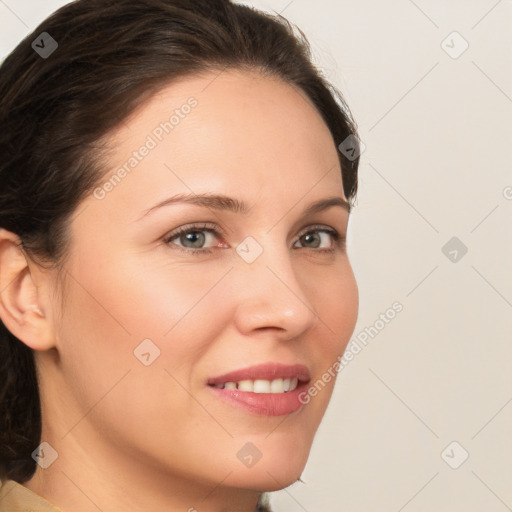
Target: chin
x: 274, y: 471
x: 268, y: 479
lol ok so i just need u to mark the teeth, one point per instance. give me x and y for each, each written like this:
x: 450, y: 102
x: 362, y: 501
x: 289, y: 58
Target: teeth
x: 276, y: 386
x: 245, y: 385
x: 262, y: 386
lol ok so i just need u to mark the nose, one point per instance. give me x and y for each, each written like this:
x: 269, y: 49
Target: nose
x: 271, y: 297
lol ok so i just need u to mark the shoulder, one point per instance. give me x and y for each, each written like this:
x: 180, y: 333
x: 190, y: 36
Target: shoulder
x: 15, y: 497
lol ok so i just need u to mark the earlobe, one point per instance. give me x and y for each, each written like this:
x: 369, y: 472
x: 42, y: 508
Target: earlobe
x: 21, y: 310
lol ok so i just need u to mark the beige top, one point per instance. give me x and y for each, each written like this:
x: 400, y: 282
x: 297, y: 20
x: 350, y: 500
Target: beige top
x: 15, y: 497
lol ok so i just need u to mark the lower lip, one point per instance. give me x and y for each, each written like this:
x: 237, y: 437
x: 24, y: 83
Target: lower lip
x: 264, y: 404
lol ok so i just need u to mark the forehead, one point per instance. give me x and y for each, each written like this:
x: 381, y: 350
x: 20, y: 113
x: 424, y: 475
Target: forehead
x: 227, y: 131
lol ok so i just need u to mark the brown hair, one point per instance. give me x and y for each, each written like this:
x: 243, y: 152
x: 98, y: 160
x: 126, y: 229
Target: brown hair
x: 55, y: 109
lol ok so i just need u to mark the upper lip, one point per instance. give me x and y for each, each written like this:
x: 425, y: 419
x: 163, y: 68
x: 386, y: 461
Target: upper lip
x: 265, y: 371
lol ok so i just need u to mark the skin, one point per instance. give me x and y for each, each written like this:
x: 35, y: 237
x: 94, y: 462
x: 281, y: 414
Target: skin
x: 135, y: 437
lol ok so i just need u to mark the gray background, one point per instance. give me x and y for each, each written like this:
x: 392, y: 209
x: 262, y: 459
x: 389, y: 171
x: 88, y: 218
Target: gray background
x: 436, y: 122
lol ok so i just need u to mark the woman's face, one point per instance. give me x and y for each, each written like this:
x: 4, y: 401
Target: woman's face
x: 153, y: 318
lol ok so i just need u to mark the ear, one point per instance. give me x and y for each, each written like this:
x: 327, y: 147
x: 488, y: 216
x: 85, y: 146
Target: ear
x: 21, y: 308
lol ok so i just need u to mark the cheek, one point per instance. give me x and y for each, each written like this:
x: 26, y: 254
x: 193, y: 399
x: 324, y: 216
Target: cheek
x: 107, y: 314
x: 141, y: 297
x: 114, y: 306
x: 337, y: 305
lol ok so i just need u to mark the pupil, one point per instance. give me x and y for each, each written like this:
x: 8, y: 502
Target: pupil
x: 309, y: 235
x: 196, y: 238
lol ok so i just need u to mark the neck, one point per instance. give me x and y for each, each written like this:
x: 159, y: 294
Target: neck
x: 87, y: 477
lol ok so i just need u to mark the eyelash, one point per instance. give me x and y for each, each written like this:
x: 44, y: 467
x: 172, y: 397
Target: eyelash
x: 339, y: 240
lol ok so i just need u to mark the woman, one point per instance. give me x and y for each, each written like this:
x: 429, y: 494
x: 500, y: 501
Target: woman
x: 174, y: 278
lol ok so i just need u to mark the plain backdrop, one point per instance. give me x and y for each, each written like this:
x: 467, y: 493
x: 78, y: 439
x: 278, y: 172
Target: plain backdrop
x: 421, y: 417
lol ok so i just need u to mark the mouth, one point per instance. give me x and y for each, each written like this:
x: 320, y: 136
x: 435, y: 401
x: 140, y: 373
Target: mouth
x: 268, y: 389
x: 261, y: 385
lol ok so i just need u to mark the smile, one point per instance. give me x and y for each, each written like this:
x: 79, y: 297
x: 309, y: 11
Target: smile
x: 262, y: 386
x: 268, y: 389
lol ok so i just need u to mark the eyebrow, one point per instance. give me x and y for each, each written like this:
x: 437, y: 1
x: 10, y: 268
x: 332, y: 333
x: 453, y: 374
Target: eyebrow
x: 231, y: 204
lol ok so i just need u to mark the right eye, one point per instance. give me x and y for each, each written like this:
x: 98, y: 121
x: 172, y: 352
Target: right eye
x: 192, y: 238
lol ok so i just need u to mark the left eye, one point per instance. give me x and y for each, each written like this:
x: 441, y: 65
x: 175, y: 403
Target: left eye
x: 314, y: 238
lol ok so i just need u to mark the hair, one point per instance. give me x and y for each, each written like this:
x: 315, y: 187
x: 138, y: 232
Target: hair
x: 112, y: 55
